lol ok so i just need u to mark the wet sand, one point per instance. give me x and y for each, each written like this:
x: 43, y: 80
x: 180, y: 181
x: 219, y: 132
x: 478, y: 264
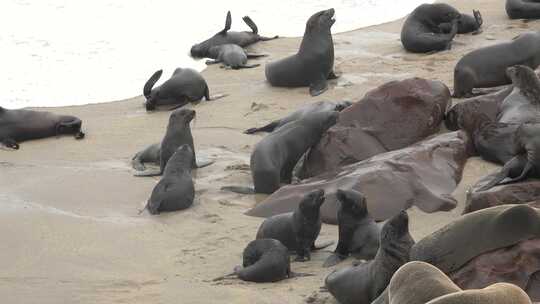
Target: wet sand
x: 69, y: 219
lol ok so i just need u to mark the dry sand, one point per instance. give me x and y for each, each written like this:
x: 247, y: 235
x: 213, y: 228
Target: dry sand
x: 69, y: 219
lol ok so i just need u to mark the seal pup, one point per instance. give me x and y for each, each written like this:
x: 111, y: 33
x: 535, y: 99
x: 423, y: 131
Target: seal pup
x: 184, y: 86
x: 299, y: 229
x: 178, y: 133
x: 225, y: 36
x: 319, y: 106
x: 472, y: 234
x: 264, y: 260
x: 421, y: 32
x: 365, y: 282
x: 466, y: 24
x: 313, y: 64
x: 522, y: 9
x: 21, y: 125
x: 175, y: 191
x: 523, y: 103
x: 232, y: 56
x: 275, y: 156
x: 358, y: 232
x: 486, y: 67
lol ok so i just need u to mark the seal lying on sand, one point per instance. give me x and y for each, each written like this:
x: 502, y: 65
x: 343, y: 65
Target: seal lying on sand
x: 178, y: 133
x: 475, y: 233
x: 486, y: 67
x: 358, y: 232
x: 184, y: 86
x: 296, y: 230
x: 175, y: 191
x: 313, y: 64
x: 241, y: 39
x: 20, y: 125
x: 319, y: 106
x: 275, y: 156
x: 264, y: 260
x: 420, y: 283
x: 421, y: 32
x: 365, y: 282
x: 523, y: 9
x: 232, y: 56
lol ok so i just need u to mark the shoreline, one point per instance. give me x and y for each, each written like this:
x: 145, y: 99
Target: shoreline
x: 70, y: 207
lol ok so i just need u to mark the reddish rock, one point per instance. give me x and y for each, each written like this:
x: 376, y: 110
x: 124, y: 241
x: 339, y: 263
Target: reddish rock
x: 393, y: 116
x: 518, y: 264
x: 423, y: 175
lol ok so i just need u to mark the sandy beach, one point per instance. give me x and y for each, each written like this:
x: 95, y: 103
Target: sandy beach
x: 69, y: 221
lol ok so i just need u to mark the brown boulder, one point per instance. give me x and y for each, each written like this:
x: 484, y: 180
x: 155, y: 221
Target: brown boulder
x: 423, y: 175
x: 392, y: 116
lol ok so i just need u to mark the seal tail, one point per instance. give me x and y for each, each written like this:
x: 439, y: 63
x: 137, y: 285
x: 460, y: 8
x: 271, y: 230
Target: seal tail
x: 268, y: 128
x: 239, y: 189
x: 251, y: 24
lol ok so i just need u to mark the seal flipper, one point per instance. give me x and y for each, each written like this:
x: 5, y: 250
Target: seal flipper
x: 239, y: 189
x: 151, y: 82
x: 10, y: 143
x: 268, y: 128
x: 318, y: 87
x: 148, y: 173
x: 251, y: 24
x: 228, y: 22
x: 517, y: 163
x: 251, y: 56
x: 332, y: 75
x: 334, y: 259
x: 209, y: 62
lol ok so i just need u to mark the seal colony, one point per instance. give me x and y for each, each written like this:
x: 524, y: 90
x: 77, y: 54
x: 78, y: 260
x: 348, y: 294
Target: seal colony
x: 366, y: 192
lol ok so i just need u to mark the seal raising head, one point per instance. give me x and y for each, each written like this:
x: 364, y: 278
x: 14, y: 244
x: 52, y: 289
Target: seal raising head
x: 524, y: 78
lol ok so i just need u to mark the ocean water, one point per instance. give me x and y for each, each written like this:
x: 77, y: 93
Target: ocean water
x: 72, y: 52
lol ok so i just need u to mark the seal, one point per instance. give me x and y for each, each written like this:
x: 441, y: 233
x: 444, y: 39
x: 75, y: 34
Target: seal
x: 275, y: 156
x: 264, y: 260
x: 494, y: 141
x: 365, y: 282
x: 178, y: 133
x: 522, y: 105
x: 421, y: 32
x: 313, y: 64
x: 296, y: 230
x: 232, y: 56
x: 319, y: 106
x: 225, y: 36
x: 184, y: 86
x: 358, y: 232
x: 21, y: 125
x: 450, y: 247
x: 499, y: 293
x: 466, y: 24
x: 523, y: 9
x: 486, y: 67
x: 526, y: 163
x: 175, y: 191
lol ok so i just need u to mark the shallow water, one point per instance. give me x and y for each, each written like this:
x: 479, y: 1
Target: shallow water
x: 71, y: 52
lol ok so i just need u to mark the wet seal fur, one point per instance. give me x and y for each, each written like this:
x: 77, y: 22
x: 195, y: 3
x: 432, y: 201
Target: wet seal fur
x: 522, y: 9
x: 175, y: 191
x: 486, y: 67
x: 472, y: 234
x: 296, y: 230
x: 319, y: 106
x: 365, y: 282
x: 225, y: 36
x: 421, y: 32
x: 275, y: 156
x: 178, y: 133
x: 358, y: 232
x: 184, y: 86
x: 264, y: 260
x: 232, y: 56
x: 313, y: 64
x: 21, y: 125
